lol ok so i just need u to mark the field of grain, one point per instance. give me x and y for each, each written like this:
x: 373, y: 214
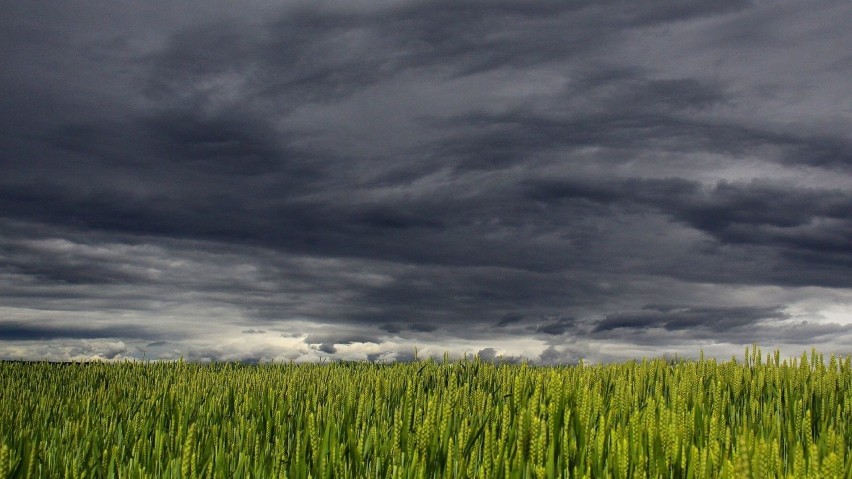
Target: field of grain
x: 757, y: 416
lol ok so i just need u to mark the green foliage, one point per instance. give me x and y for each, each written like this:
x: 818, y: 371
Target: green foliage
x: 689, y: 419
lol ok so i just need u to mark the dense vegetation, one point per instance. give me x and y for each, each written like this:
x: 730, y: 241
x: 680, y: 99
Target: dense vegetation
x: 761, y: 417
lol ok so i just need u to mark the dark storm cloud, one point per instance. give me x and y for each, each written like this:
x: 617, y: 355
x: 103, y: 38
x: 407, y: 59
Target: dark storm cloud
x: 631, y: 114
x: 305, y: 55
x: 322, y: 54
x: 713, y: 208
x: 675, y: 318
x: 556, y: 327
x: 621, y: 109
x: 67, y: 272
x: 508, y: 319
x: 424, y: 171
x: 423, y: 328
x: 662, y: 326
x: 450, y: 300
x: 215, y: 146
x: 808, y: 333
x: 452, y: 32
x: 16, y: 331
x: 799, y: 224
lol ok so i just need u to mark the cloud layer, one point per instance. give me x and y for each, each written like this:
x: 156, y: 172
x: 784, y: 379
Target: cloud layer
x: 355, y: 180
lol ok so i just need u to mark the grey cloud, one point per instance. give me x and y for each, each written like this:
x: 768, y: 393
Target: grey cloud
x: 338, y: 338
x: 806, y: 333
x: 373, y: 357
x: 423, y: 328
x: 384, y: 218
x: 451, y: 31
x: 798, y: 223
x: 556, y: 327
x: 327, y: 348
x: 491, y: 355
x: 569, y: 354
x: 509, y: 318
x: 17, y: 330
x: 674, y: 318
x: 605, y: 107
x: 404, y: 357
x: 439, y: 299
x: 487, y: 354
x: 637, y: 331
x: 391, y: 328
x: 220, y: 145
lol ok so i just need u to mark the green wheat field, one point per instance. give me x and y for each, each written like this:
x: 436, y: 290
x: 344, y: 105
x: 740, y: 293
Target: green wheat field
x: 756, y: 417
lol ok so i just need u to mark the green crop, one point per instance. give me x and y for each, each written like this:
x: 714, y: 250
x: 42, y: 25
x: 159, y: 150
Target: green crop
x: 758, y: 418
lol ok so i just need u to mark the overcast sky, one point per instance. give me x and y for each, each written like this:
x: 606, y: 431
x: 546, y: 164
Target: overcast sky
x: 350, y: 180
